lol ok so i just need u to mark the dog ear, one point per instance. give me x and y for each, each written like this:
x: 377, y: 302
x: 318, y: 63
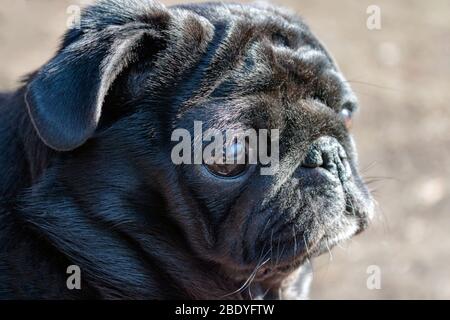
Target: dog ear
x: 65, y: 97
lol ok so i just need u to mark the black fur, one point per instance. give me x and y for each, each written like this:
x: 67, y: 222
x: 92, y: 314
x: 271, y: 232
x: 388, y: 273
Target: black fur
x: 85, y: 169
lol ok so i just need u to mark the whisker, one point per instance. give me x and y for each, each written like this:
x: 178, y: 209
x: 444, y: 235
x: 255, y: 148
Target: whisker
x: 379, y: 178
x: 265, y: 293
x: 368, y: 167
x: 373, y: 85
x: 249, y: 279
x: 329, y: 250
x: 271, y: 245
x: 295, y: 240
x: 306, y: 245
x: 278, y: 252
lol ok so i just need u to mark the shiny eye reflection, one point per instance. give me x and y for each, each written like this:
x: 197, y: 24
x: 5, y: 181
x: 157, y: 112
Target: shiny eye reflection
x: 232, y: 162
x: 347, y: 116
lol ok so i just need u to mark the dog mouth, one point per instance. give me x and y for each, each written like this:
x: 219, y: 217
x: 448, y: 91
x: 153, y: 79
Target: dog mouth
x: 284, y: 248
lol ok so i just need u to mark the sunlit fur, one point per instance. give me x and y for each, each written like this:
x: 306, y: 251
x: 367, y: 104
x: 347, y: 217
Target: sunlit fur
x: 85, y: 169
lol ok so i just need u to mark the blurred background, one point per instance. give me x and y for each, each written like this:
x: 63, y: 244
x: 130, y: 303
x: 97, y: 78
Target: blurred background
x: 401, y: 74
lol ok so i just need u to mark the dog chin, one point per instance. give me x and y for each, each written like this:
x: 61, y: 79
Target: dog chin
x: 330, y: 240
x: 287, y: 256
x: 269, y: 274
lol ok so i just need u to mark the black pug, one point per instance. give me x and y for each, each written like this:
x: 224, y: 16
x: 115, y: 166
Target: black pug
x: 85, y: 157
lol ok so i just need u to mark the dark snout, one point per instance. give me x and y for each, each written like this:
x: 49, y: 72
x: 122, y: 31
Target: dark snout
x: 327, y: 154
x: 324, y: 203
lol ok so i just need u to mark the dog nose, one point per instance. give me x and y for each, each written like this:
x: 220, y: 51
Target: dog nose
x: 328, y: 153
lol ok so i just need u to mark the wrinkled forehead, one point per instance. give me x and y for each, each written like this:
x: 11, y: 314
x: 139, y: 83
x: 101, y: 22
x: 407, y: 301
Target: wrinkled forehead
x: 261, y: 51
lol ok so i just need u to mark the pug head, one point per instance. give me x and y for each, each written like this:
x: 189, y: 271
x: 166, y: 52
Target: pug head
x: 136, y: 71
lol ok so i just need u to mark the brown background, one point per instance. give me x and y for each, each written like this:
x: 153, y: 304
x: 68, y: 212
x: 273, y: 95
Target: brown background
x: 401, y: 74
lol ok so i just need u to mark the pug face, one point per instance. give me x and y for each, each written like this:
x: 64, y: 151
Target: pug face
x: 228, y: 67
x: 279, y: 77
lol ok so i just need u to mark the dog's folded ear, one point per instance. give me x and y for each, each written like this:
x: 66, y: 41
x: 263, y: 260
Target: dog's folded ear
x: 65, y: 97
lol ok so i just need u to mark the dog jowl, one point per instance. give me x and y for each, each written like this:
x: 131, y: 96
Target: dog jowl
x: 87, y: 177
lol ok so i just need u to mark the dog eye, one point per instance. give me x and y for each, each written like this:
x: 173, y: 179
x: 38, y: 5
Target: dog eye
x: 347, y: 117
x: 232, y: 162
